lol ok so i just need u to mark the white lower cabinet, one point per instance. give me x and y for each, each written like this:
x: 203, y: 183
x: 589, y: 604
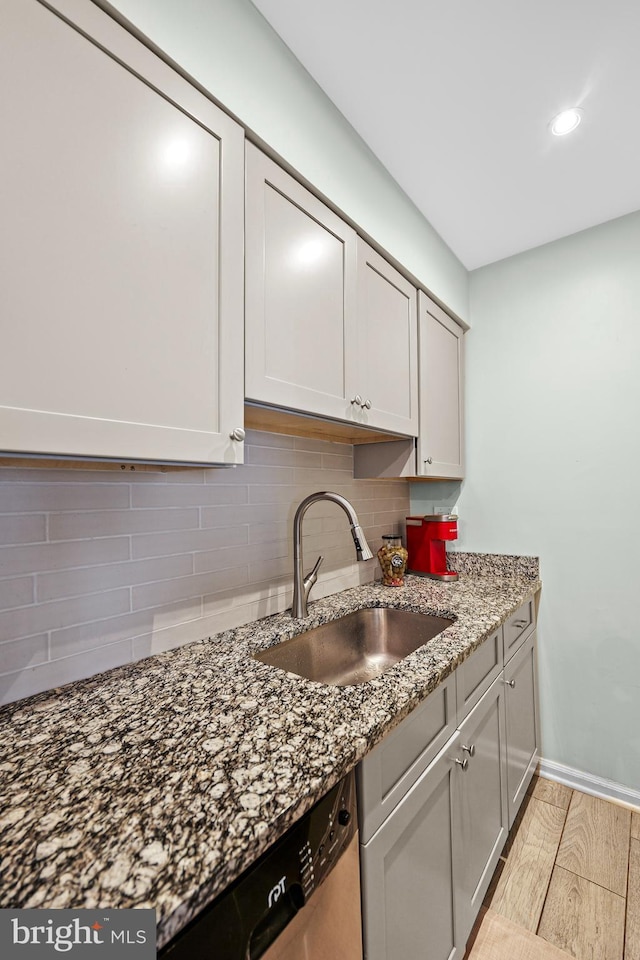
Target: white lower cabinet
x: 522, y: 723
x: 481, y: 799
x: 426, y: 868
x: 409, y: 870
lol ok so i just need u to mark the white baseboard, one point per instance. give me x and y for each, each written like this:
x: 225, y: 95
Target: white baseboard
x: 588, y: 783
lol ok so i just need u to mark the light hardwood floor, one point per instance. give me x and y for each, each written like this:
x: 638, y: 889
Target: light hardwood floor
x: 568, y: 883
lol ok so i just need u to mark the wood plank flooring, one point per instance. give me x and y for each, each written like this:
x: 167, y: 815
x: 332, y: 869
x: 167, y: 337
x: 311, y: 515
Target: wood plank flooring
x: 595, y: 842
x: 582, y: 918
x: 550, y: 792
x: 521, y: 889
x: 497, y: 938
x: 568, y: 883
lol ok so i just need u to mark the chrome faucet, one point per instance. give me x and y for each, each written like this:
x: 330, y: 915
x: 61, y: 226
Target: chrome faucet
x: 302, y: 585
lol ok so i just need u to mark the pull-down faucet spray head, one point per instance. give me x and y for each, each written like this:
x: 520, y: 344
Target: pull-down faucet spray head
x: 363, y: 550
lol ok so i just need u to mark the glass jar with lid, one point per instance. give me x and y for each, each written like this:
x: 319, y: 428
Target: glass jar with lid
x: 393, y: 560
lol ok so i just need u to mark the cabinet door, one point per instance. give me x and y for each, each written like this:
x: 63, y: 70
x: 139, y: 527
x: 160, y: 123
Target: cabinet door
x: 482, y: 799
x: 408, y: 872
x: 522, y: 723
x: 387, y: 371
x: 387, y: 773
x: 122, y: 289
x: 301, y: 262
x: 441, y: 438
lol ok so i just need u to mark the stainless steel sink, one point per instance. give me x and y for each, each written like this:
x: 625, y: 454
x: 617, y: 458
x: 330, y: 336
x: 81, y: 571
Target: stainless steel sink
x: 355, y: 648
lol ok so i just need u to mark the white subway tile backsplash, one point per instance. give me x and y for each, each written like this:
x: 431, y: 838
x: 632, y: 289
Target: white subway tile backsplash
x: 187, y: 541
x: 271, y: 570
x: 40, y: 617
x: 18, y: 654
x: 102, y: 566
x: 44, y: 676
x: 110, y: 523
x: 270, y: 512
x: 188, y: 494
x: 256, y: 438
x: 97, y: 633
x: 334, y: 462
x: 61, y: 555
x: 223, y: 558
x: 271, y: 493
x: 17, y: 592
x: 156, y: 594
x: 267, y: 532
x: 257, y: 473
x: 227, y: 557
x: 23, y: 528
x: 29, y: 497
x: 312, y: 476
x: 72, y: 583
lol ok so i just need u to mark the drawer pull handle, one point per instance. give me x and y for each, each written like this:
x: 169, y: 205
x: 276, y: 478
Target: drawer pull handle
x: 357, y: 400
x: 367, y: 404
x: 463, y: 763
x: 237, y: 434
x: 429, y: 460
x: 520, y: 623
x: 510, y: 683
x: 471, y: 750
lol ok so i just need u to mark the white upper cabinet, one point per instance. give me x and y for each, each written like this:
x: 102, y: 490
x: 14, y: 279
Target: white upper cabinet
x: 330, y: 325
x: 387, y: 375
x: 301, y: 292
x: 121, y: 298
x: 441, y: 438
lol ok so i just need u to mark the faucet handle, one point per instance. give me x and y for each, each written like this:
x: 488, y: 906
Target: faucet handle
x: 311, y: 577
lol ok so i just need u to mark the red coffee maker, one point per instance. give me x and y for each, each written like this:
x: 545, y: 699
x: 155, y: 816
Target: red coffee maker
x: 426, y: 538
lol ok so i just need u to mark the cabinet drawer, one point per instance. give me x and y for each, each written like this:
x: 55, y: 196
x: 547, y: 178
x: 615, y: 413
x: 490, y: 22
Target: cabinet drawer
x: 518, y: 626
x: 475, y: 675
x: 387, y: 773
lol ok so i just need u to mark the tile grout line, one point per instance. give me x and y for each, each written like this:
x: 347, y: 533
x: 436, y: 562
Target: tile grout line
x: 555, y: 860
x: 550, y: 802
x: 594, y: 882
x: 626, y: 902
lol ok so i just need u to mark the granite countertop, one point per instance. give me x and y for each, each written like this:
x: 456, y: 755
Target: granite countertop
x: 156, y: 784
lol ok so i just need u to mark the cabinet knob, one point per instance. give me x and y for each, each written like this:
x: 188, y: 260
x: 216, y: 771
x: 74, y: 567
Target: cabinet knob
x: 463, y: 763
x: 520, y: 623
x: 367, y: 404
x: 237, y: 434
x: 510, y: 683
x: 471, y: 750
x: 357, y: 400
x: 429, y: 460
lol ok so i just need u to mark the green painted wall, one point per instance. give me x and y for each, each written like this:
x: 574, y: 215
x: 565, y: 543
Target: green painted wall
x: 553, y: 455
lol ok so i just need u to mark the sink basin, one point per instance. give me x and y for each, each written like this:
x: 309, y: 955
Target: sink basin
x: 355, y: 648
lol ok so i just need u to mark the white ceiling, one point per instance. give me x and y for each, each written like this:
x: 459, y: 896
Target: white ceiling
x: 455, y: 98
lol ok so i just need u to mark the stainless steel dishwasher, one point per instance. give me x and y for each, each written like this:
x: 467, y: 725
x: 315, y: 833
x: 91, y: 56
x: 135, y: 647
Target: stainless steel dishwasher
x: 299, y: 901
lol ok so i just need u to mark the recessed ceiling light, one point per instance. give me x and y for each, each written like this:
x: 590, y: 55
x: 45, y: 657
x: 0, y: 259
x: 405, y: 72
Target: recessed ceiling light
x: 565, y: 122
